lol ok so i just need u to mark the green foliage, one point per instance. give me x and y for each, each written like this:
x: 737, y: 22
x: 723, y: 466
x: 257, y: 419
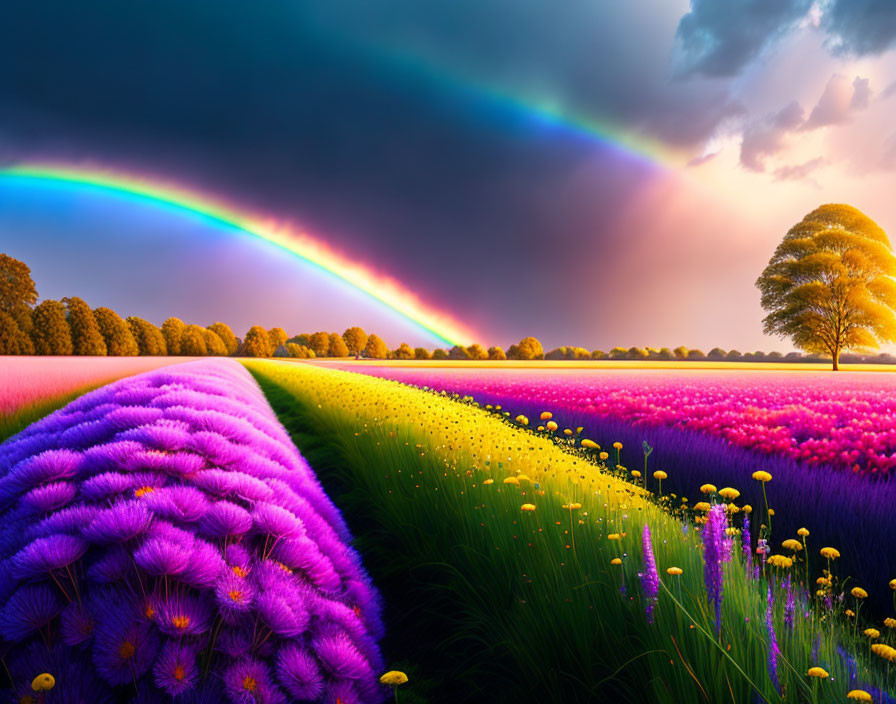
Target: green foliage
x: 223, y: 331
x: 421, y: 353
x: 51, y: 333
x: 733, y: 355
x: 172, y: 331
x: 598, y: 354
x: 439, y: 354
x: 375, y: 348
x: 86, y: 336
x: 618, y: 353
x: 496, y: 353
x: 214, y: 345
x: 337, y: 348
x: 12, y: 339
x: 403, y: 351
x: 680, y: 352
x: 257, y: 343
x: 148, y: 337
x: 829, y: 285
x: 696, y: 355
x: 302, y: 339
x: 17, y: 288
x: 458, y: 352
x: 355, y: 340
x: 116, y: 334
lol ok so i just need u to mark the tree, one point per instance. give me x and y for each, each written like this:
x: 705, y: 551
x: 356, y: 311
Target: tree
x: 214, y: 345
x: 496, y: 353
x: 355, y: 340
x: 278, y: 337
x: 618, y: 353
x: 530, y: 348
x: 556, y: 353
x: 192, y: 342
x: 680, y: 352
x: 86, y: 336
x: 116, y: 333
x: 716, y: 353
x: 299, y: 351
x: 458, y: 352
x: 513, y: 352
x: 172, y: 330
x: 829, y: 286
x: 665, y: 353
x: 733, y: 355
x: 404, y: 351
x: 12, y: 339
x: 637, y: 353
x: 320, y: 343
x: 338, y: 348
x: 149, y: 338
x: 475, y: 351
x: 257, y: 343
x: 421, y: 353
x: 17, y: 289
x: 598, y: 354
x: 696, y: 354
x: 51, y: 334
x: 375, y: 348
x: 301, y: 340
x: 223, y: 331
x: 439, y: 353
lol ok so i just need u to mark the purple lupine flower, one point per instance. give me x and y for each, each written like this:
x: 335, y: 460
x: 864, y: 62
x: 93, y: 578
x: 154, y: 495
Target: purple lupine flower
x: 773, y: 650
x: 746, y: 543
x: 188, y: 524
x: 790, y: 604
x: 713, y: 542
x: 650, y: 580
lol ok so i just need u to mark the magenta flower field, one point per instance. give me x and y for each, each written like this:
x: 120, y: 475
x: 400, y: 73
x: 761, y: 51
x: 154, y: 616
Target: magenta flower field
x: 847, y: 420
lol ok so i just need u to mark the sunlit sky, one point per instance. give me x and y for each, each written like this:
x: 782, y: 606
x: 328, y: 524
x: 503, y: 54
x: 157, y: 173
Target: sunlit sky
x: 594, y: 174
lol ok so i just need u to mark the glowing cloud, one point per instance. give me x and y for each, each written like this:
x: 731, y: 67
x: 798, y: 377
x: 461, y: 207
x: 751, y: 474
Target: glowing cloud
x: 298, y: 243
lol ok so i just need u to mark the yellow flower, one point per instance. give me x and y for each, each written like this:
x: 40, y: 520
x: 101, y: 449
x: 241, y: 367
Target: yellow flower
x: 771, y: 512
x: 572, y: 507
x: 830, y: 553
x: 885, y: 651
x: 613, y: 536
x: 393, y: 678
x: 762, y: 476
x: 615, y: 561
x: 792, y: 544
x: 540, y: 428
x: 701, y: 506
x: 859, y: 695
x: 824, y: 581
x: 802, y: 532
x: 850, y: 613
x: 590, y: 444
x: 522, y: 420
x: 747, y: 508
x: 708, y: 489
x: 872, y: 633
x: 636, y: 474
x: 729, y: 493
x: 43, y: 683
x: 780, y: 561
x: 551, y: 425
x: 511, y: 480
x: 820, y: 594
x: 660, y: 474
x: 567, y: 431
x: 617, y: 445
x: 547, y: 415
x: 890, y: 622
x: 818, y: 672
x: 528, y: 507
x: 731, y: 508
x: 859, y: 593
x: 579, y: 430
x: 893, y: 584
x: 604, y: 455
x: 673, y: 570
x: 489, y: 481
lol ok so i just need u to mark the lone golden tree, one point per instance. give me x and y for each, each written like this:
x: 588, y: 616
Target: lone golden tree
x: 829, y: 285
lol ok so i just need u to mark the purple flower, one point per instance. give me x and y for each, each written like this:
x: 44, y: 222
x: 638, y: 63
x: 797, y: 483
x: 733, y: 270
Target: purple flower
x: 747, y: 545
x: 122, y: 522
x: 175, y: 670
x: 225, y: 519
x: 340, y: 658
x: 713, y: 553
x: 76, y: 624
x: 790, y: 604
x: 124, y: 644
x: 274, y: 521
x: 773, y: 649
x: 47, y: 554
x: 50, y: 497
x: 650, y: 580
x: 250, y: 681
x: 298, y: 673
x: 28, y: 609
x: 181, y: 504
x: 159, y: 557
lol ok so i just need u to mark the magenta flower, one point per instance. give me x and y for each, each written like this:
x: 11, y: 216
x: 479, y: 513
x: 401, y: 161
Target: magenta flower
x: 650, y: 580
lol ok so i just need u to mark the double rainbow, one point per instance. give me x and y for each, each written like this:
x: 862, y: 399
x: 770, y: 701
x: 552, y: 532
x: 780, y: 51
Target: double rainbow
x: 296, y: 242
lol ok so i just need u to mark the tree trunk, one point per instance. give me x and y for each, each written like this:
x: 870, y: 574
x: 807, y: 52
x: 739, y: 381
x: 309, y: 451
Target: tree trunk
x: 836, y: 356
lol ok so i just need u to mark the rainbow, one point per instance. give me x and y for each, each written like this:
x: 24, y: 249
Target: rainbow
x: 292, y: 240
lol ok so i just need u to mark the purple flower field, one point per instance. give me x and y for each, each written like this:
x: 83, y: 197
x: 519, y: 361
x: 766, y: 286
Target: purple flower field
x: 162, y: 536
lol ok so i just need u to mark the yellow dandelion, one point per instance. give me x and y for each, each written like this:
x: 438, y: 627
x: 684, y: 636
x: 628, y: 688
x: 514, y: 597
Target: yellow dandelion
x: 522, y: 420
x: 636, y: 474
x: 567, y: 432
x: 540, y: 428
x: 762, y: 476
x: 660, y: 474
x: 780, y: 561
x: 823, y: 581
x: 547, y: 415
x: 512, y: 480
x: 590, y: 444
x: 617, y: 445
x: 803, y: 532
x: 551, y: 425
x: 708, y: 489
x: 613, y: 536
x: 43, y: 682
x: 890, y: 622
x: 893, y: 584
x: 830, y: 553
x: 673, y: 570
x: 615, y: 561
x: 393, y: 678
x: 819, y: 672
x: 872, y: 633
x: 579, y: 430
x: 572, y: 506
x: 489, y: 481
x: 860, y: 695
x: 792, y: 544
x: 604, y: 455
x: 850, y: 613
x: 747, y: 508
x: 528, y: 507
x: 859, y: 593
x: 701, y: 506
x: 729, y: 493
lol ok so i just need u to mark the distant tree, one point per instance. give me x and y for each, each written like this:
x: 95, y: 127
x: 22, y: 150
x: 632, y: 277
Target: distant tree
x: 475, y: 351
x: 257, y: 343
x: 513, y: 352
x: 637, y: 353
x: 829, y: 286
x: 192, y: 342
x: 214, y: 345
x: 278, y: 337
x: 12, y: 339
x: 51, y: 334
x: 87, y: 339
x: 355, y: 340
x: 598, y: 354
x: 22, y: 316
x: 439, y: 353
x: 301, y: 339
x: 774, y: 356
x: 282, y: 351
x: 696, y: 354
x: 293, y: 350
x: 716, y: 353
x: 758, y: 356
x: 530, y: 348
x: 733, y: 355
x: 680, y: 352
x: 496, y: 353
x: 421, y: 353
x: 665, y: 353
x: 17, y: 289
x: 338, y: 348
x: 458, y: 352
x: 116, y: 333
x: 149, y: 338
x: 223, y: 331
x: 793, y: 357
x: 320, y: 343
x: 172, y: 330
x: 375, y: 348
x: 618, y: 353
x: 403, y: 351
x: 556, y: 353
x: 580, y: 353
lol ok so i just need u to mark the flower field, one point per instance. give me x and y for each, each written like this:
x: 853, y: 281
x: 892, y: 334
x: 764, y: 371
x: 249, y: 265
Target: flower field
x: 517, y: 569
x: 162, y: 537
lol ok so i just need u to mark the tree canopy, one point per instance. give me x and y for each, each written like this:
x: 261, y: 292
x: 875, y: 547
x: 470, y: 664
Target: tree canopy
x: 86, y: 336
x: 116, y: 333
x: 17, y: 288
x: 829, y: 286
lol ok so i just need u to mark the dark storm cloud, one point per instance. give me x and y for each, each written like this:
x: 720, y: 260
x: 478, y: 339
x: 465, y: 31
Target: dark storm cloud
x: 861, y: 27
x: 718, y: 38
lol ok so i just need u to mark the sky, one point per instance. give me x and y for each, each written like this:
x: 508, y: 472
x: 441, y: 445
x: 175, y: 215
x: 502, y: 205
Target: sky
x: 591, y: 173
